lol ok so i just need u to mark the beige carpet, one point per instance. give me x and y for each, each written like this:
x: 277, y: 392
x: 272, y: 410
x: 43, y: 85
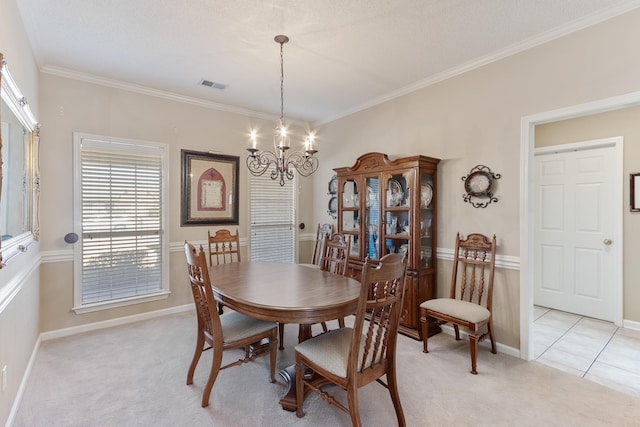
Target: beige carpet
x: 134, y: 375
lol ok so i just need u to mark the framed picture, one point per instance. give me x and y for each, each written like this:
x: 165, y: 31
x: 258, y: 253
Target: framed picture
x: 635, y: 192
x: 209, y: 188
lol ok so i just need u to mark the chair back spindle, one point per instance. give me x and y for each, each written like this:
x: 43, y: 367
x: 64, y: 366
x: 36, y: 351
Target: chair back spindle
x: 335, y: 257
x: 224, y: 247
x: 381, y: 297
x: 324, y: 230
x: 475, y: 264
x: 206, y: 308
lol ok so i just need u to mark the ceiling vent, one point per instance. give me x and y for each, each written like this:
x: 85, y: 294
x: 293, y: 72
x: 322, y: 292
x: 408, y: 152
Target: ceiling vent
x: 215, y: 85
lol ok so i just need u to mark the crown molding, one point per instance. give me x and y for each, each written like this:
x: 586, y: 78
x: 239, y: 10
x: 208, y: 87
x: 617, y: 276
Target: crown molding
x: 117, y: 84
x: 572, y: 27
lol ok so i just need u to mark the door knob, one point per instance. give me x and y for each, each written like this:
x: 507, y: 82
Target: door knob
x: 607, y: 242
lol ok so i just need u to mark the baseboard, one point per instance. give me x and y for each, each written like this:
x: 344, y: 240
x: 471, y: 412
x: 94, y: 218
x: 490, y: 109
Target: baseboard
x: 501, y: 348
x: 23, y: 385
x: 630, y: 324
x: 59, y: 333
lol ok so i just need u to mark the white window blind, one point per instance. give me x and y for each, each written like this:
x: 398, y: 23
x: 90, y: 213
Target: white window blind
x: 121, y: 204
x: 273, y: 219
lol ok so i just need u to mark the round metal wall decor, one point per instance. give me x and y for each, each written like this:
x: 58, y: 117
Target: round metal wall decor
x: 478, y: 186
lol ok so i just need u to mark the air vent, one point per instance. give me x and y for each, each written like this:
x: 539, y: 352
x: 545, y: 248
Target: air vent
x: 215, y: 85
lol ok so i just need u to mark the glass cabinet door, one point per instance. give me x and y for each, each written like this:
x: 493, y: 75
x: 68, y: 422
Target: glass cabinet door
x: 350, y: 200
x: 426, y: 220
x: 372, y: 215
x: 397, y: 214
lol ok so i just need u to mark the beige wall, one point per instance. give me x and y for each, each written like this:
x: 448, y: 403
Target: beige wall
x: 70, y: 106
x: 625, y: 123
x: 475, y: 119
x: 20, y: 279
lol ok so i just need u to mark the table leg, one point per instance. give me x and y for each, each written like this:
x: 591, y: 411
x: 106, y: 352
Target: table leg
x: 288, y: 402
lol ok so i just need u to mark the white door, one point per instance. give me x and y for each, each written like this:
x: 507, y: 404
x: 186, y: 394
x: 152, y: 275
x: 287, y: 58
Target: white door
x: 575, y: 230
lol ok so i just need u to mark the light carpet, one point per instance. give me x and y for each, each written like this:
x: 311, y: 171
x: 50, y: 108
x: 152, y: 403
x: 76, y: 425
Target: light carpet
x: 134, y: 375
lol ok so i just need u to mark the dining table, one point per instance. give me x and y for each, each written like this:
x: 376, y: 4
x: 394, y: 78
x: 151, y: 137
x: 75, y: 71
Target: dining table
x: 285, y: 293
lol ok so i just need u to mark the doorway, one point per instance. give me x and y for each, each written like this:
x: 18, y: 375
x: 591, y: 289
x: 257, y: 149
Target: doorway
x: 576, y: 218
x: 528, y: 202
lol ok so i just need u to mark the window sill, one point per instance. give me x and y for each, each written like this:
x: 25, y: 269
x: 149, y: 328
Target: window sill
x: 107, y: 305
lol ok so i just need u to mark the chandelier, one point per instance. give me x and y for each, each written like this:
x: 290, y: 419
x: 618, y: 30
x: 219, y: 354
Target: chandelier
x: 283, y: 161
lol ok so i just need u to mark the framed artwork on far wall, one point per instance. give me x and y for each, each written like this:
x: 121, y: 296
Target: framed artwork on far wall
x: 209, y: 188
x: 634, y: 186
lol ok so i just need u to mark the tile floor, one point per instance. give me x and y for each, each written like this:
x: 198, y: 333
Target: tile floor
x: 592, y: 349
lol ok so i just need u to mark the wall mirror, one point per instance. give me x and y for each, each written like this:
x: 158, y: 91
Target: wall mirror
x: 19, y: 175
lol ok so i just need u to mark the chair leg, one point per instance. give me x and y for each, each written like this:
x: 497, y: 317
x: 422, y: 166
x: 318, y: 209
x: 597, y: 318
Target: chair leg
x: 425, y: 330
x: 354, y: 411
x: 281, y: 334
x: 216, y: 362
x: 300, y: 370
x: 473, y: 347
x: 273, y: 351
x: 457, y: 329
x: 395, y: 397
x: 196, y: 358
x: 491, y: 337
x: 341, y: 322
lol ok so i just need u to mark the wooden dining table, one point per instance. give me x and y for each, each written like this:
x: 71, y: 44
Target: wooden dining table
x: 285, y: 293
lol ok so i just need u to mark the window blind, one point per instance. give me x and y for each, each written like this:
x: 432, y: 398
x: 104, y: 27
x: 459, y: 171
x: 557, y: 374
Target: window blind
x: 273, y: 218
x: 122, y: 221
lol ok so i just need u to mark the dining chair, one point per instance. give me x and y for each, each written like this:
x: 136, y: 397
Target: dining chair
x: 335, y: 259
x: 471, y: 294
x: 224, y: 247
x: 322, y: 231
x: 224, y: 332
x: 330, y: 254
x: 353, y: 357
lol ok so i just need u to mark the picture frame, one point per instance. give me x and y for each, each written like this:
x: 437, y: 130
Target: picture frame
x: 634, y: 187
x: 209, y: 188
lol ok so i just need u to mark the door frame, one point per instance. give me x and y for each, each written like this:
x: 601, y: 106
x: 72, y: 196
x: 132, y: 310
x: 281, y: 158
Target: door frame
x: 527, y: 199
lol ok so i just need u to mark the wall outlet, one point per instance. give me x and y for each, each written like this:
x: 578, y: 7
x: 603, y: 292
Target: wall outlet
x: 4, y: 377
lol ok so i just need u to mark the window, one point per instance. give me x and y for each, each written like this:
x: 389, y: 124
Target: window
x: 273, y: 219
x: 122, y: 255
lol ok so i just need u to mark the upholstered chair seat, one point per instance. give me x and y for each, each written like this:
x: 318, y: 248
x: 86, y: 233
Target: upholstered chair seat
x: 330, y: 351
x: 237, y: 326
x: 463, y: 310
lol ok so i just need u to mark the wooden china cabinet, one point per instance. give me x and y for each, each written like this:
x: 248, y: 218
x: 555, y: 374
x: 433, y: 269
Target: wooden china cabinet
x: 390, y: 206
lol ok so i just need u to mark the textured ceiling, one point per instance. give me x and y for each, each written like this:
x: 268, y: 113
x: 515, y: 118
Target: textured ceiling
x: 344, y: 55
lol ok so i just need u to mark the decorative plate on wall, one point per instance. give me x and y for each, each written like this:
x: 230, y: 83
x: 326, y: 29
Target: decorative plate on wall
x: 333, y: 185
x: 333, y: 207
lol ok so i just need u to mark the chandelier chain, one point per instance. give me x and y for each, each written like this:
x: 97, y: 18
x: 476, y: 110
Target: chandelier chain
x: 281, y: 84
